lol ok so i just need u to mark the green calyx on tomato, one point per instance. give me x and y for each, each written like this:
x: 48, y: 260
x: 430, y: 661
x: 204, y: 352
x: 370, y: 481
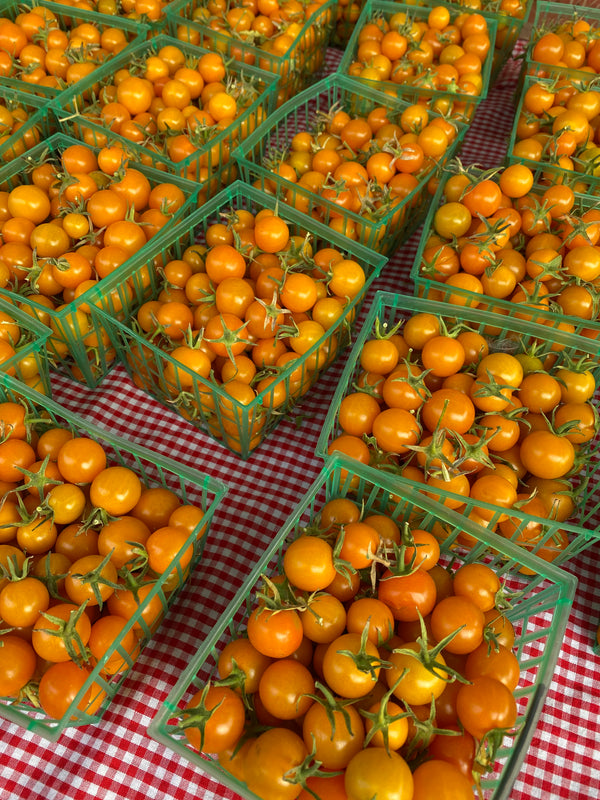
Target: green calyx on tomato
x: 428, y: 657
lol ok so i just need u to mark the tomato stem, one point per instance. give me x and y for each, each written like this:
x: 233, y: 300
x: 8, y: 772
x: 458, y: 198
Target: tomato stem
x: 363, y: 661
x: 381, y: 718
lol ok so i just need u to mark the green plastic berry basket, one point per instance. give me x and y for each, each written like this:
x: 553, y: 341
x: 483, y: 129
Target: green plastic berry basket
x: 68, y: 17
x: 77, y: 347
x: 211, y: 165
x: 114, y: 8
x: 29, y: 364
x: 455, y: 103
x: 204, y: 403
x: 552, y: 17
x: 295, y: 68
x: 38, y: 126
x: 347, y: 14
x: 539, y: 615
x: 508, y: 28
x: 585, y: 332
x: 154, y: 470
x: 381, y: 232
x: 554, y: 540
x: 585, y: 174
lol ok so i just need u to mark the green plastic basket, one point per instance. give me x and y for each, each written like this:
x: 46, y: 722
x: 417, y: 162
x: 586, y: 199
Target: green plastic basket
x: 586, y: 174
x: 154, y: 27
x: 68, y: 17
x: 347, y: 15
x: 244, y: 427
x: 586, y: 332
x: 508, y: 28
x: 295, y: 68
x: 539, y: 614
x: 154, y: 470
x: 504, y: 333
x: 383, y: 233
x: 211, y: 165
x: 82, y: 353
x: 550, y: 17
x: 30, y: 362
x: 40, y: 124
x: 458, y: 103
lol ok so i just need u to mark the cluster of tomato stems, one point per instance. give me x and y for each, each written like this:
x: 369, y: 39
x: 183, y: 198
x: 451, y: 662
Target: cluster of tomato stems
x: 281, y: 597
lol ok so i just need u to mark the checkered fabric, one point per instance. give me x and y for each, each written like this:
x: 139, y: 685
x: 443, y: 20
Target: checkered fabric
x: 116, y: 760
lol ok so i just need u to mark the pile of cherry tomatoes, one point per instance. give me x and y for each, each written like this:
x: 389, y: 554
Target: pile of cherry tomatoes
x: 240, y: 327
x: 569, y: 44
x: 78, y: 215
x: 432, y: 401
x: 362, y: 174
x: 39, y: 49
x: 287, y: 38
x: 431, y: 51
x: 84, y: 543
x: 181, y: 109
x: 557, y: 126
x: 363, y: 668
x: 497, y: 236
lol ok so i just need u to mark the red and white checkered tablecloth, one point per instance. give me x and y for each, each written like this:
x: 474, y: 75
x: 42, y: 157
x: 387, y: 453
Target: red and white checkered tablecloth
x: 116, y: 760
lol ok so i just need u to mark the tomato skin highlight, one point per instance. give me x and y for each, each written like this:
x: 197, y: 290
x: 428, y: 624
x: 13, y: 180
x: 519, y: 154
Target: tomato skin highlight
x: 374, y: 773
x: 273, y: 754
x: 442, y: 780
x: 17, y: 664
x: 276, y: 634
x: 485, y: 704
x: 408, y: 595
x: 225, y: 724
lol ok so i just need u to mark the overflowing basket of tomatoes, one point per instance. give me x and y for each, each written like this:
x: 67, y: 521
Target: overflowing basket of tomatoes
x: 490, y: 415
x: 287, y: 39
x: 98, y: 535
x: 564, y: 42
x: 180, y: 108
x: 46, y: 48
x: 496, y: 240
x: 555, y: 132
x: 72, y: 215
x: 509, y: 16
x: 246, y: 309
x: 23, y: 342
x: 363, y: 657
x: 440, y: 56
x: 362, y: 162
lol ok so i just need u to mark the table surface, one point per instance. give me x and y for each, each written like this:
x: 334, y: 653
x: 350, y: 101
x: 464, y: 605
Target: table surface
x: 116, y: 758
